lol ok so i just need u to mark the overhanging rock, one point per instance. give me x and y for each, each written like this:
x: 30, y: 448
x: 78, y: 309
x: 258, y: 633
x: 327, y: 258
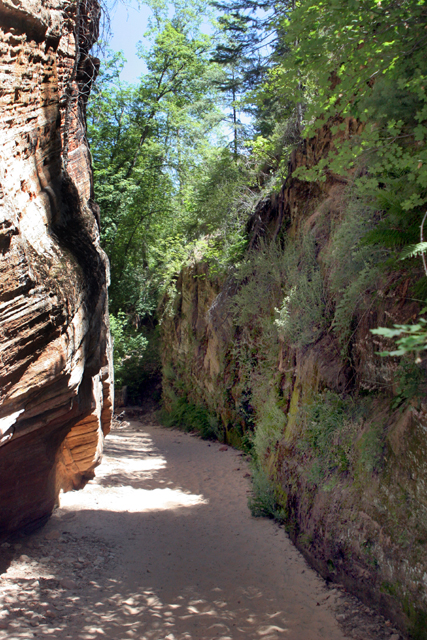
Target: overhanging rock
x: 55, y: 350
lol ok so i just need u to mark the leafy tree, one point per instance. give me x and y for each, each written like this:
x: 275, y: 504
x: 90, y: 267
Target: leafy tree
x: 251, y: 37
x: 145, y: 141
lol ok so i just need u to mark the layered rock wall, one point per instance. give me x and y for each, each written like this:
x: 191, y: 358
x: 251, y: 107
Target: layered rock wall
x: 55, y: 355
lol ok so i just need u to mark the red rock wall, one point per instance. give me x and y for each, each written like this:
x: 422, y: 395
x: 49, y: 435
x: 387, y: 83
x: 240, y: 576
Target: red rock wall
x: 55, y: 353
x: 361, y: 518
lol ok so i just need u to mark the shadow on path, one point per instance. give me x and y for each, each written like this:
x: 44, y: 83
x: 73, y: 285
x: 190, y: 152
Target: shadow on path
x: 161, y: 546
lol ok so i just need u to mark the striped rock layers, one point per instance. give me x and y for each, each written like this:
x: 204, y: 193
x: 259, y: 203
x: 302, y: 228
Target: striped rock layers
x: 55, y: 351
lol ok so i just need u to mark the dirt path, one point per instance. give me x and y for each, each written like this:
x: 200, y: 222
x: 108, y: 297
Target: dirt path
x: 161, y: 546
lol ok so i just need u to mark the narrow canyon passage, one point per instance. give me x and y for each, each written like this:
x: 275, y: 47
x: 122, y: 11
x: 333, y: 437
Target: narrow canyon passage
x: 161, y: 546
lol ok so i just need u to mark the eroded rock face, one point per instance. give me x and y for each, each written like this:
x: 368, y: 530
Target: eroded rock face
x: 356, y: 506
x: 55, y: 403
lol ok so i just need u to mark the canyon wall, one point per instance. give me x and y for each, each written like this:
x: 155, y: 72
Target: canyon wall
x: 55, y: 352
x: 279, y: 357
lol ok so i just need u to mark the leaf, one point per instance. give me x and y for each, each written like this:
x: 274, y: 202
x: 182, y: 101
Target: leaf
x: 413, y: 250
x: 387, y: 333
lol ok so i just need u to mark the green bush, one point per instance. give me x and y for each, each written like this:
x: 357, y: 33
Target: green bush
x: 354, y: 266
x: 259, y: 280
x: 270, y: 426
x: 128, y: 348
x: 191, y: 417
x: 302, y: 316
x: 263, y: 501
x: 331, y: 425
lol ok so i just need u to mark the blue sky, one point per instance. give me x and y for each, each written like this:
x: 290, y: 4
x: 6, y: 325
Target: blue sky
x: 128, y: 24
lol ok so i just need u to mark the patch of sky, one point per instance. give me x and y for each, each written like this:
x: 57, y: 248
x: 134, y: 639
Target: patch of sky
x: 127, y: 30
x: 128, y: 24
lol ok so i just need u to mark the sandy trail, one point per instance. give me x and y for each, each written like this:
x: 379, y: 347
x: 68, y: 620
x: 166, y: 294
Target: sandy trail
x: 161, y: 546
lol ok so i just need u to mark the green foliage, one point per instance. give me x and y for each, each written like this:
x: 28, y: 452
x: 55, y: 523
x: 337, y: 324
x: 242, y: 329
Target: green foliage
x: 357, y: 57
x: 259, y: 279
x: 279, y: 136
x: 301, y: 317
x: 410, y: 338
x: 128, y: 347
x: 269, y: 427
x: 253, y: 354
x: 413, y: 250
x: 219, y: 215
x: 409, y: 382
x: 263, y: 501
x: 219, y: 181
x: 354, y: 265
x: 336, y: 440
x: 174, y: 188
x: 150, y: 144
x: 191, y: 417
x: 331, y: 425
x: 147, y: 142
x: 351, y: 60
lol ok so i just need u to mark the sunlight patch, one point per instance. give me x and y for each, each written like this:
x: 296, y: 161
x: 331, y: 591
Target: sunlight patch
x: 128, y: 499
x: 263, y: 631
x: 130, y: 466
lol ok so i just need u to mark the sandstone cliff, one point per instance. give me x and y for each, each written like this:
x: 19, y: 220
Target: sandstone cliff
x: 280, y: 353
x: 55, y: 403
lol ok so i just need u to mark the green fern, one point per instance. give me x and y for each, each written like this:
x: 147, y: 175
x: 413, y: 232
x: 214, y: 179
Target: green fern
x: 413, y: 250
x: 391, y: 238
